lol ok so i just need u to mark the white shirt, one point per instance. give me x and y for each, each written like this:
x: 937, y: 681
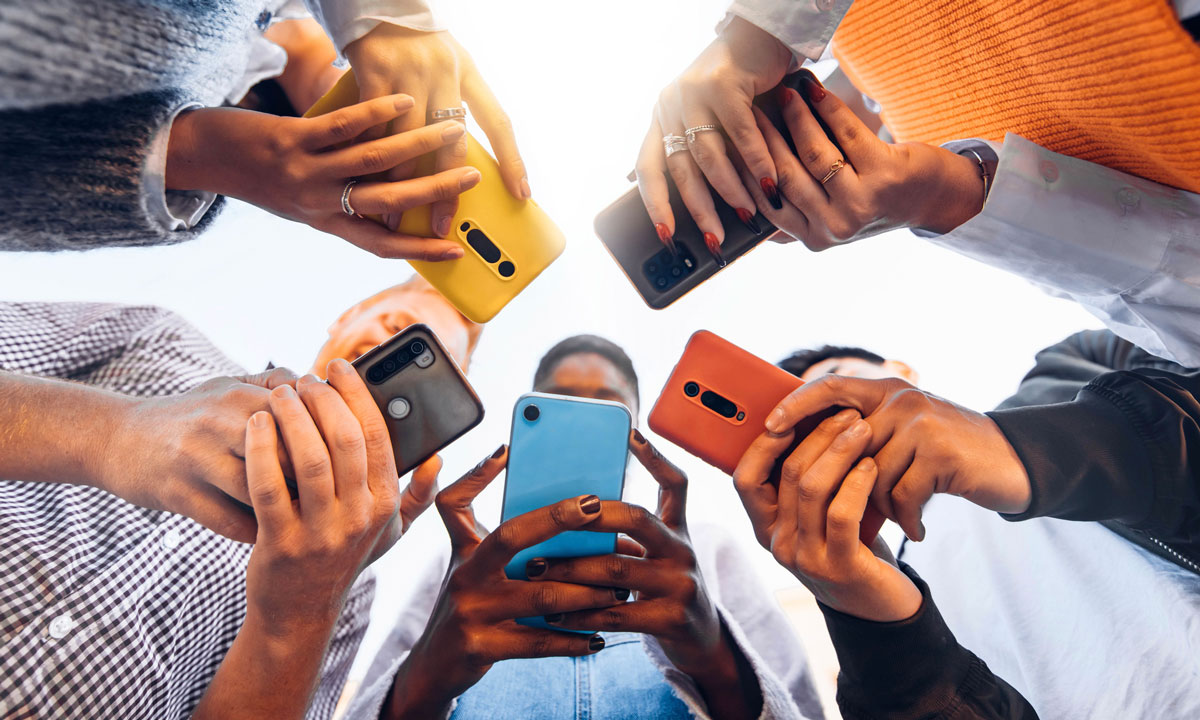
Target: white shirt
x: 1080, y: 621
x: 1125, y: 248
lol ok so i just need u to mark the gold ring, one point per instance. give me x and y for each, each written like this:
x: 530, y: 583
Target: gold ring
x: 833, y: 170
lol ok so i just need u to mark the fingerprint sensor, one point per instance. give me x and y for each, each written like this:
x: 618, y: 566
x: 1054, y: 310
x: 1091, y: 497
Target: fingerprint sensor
x: 398, y: 408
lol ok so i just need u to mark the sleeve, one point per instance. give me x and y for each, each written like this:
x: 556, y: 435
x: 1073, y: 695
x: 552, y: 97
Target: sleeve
x: 805, y: 26
x: 1127, y: 448
x: 1125, y: 248
x: 1063, y: 369
x: 75, y: 177
x: 347, y: 636
x: 915, y: 668
x: 348, y: 20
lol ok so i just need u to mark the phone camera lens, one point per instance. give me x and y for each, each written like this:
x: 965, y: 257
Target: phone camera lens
x: 506, y: 269
x: 465, y: 226
x: 652, y: 268
x: 375, y: 374
x: 691, y: 389
x: 661, y: 283
x: 416, y: 347
x: 676, y: 272
x: 532, y: 413
x: 389, y: 365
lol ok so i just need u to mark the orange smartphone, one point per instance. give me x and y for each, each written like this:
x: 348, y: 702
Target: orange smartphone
x: 717, y: 400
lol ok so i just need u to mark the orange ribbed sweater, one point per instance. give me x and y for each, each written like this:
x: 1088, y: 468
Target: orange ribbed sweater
x: 1114, y: 82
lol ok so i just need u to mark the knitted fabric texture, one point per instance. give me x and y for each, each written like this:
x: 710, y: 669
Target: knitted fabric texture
x: 1116, y: 83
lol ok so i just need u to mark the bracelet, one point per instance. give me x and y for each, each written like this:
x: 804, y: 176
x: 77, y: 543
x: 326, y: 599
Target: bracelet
x: 983, y: 173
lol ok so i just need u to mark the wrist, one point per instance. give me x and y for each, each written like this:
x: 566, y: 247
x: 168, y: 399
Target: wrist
x: 192, y: 151
x: 894, y: 601
x: 413, y: 695
x: 956, y: 195
x: 106, y: 458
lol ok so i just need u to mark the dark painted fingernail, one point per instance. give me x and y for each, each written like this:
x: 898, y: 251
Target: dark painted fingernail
x: 812, y: 86
x: 554, y: 618
x: 638, y: 437
x: 590, y: 505
x: 714, y: 247
x: 783, y: 96
x: 664, y: 235
x: 596, y: 643
x: 621, y: 594
x: 772, y: 192
x: 535, y: 567
x: 748, y: 220
x: 499, y: 451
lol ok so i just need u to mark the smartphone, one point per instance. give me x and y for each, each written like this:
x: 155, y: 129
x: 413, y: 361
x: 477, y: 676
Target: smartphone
x: 425, y: 399
x: 562, y: 447
x: 507, y: 242
x: 626, y: 231
x: 716, y: 402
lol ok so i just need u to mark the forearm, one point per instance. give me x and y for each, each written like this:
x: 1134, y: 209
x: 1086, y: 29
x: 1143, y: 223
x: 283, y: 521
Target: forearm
x: 270, y: 671
x: 414, y: 696
x: 726, y: 681
x: 56, y: 431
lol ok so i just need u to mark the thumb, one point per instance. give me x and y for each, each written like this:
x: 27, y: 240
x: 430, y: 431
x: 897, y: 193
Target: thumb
x: 418, y: 496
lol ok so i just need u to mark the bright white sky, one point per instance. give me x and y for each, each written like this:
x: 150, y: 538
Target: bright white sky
x: 579, y: 80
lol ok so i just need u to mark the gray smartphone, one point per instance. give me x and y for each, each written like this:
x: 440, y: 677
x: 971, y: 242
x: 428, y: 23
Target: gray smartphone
x: 425, y: 399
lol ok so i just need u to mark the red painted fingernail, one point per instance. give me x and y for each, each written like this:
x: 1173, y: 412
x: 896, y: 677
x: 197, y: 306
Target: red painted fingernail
x: 813, y: 87
x: 665, y: 236
x: 748, y: 220
x: 783, y: 96
x: 772, y: 192
x: 714, y: 247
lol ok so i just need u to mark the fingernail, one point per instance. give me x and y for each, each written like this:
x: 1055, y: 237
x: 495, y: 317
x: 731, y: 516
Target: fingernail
x: 866, y: 465
x: 775, y: 420
x: 921, y: 527
x: 535, y: 567
x: 596, y: 643
x: 306, y: 380
x: 783, y: 96
x: 590, y: 505
x: 453, y: 132
x: 452, y: 254
x: 469, y: 179
x: 285, y: 391
x: 499, y: 451
x: 772, y: 192
x: 621, y: 594
x: 858, y: 429
x: 442, y: 227
x: 525, y: 191
x: 554, y: 618
x: 714, y: 247
x: 665, y: 236
x: 638, y: 437
x: 260, y: 419
x: 812, y: 87
x: 748, y: 220
x: 339, y: 366
x: 403, y: 102
x: 845, y: 416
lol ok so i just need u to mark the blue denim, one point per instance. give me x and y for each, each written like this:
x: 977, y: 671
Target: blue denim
x: 616, y: 683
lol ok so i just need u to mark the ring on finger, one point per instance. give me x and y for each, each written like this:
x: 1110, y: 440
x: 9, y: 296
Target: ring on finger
x: 346, y: 206
x: 692, y: 132
x: 452, y: 113
x: 834, y: 169
x: 674, y: 143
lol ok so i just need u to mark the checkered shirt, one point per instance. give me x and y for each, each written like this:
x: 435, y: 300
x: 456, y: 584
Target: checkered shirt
x: 108, y: 610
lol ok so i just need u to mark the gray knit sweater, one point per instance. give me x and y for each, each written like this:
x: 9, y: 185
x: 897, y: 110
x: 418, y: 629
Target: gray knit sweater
x: 84, y: 87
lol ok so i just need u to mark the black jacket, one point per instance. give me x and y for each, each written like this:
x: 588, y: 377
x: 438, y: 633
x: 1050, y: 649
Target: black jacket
x: 1107, y: 432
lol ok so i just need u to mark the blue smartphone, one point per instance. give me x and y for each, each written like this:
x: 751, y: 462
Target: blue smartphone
x: 563, y: 447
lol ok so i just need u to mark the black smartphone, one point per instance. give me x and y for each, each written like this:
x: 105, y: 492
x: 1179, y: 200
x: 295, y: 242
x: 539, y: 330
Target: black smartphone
x: 660, y: 277
x: 425, y: 399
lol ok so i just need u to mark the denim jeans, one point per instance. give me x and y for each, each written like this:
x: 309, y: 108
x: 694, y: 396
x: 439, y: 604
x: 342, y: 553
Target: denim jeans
x: 618, y: 682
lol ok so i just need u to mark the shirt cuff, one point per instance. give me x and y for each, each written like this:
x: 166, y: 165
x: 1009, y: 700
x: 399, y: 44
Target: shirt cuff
x: 368, y: 702
x: 777, y: 703
x: 173, y: 210
x: 805, y: 26
x: 348, y: 20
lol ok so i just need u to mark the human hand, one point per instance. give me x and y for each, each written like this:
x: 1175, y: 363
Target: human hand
x: 297, y: 168
x: 810, y: 521
x: 922, y: 445
x: 309, y: 550
x: 438, y: 73
x: 718, y: 88
x: 879, y: 186
x: 473, y: 624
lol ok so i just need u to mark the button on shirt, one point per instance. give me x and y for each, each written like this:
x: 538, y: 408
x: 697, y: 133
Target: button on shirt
x: 108, y: 610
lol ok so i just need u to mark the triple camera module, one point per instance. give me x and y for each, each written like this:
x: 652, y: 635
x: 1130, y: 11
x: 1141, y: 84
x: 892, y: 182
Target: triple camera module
x: 416, y: 352
x: 665, y: 270
x: 486, y: 249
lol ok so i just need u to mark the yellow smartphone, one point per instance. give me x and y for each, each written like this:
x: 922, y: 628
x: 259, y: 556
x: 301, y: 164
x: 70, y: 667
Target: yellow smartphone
x: 507, y: 242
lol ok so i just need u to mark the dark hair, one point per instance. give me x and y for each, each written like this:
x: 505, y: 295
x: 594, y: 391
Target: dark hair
x: 800, y: 361
x: 578, y: 345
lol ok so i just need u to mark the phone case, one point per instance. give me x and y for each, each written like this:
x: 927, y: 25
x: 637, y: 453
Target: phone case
x: 427, y: 403
x: 507, y: 242
x: 575, y: 446
x: 688, y: 414
x: 626, y: 231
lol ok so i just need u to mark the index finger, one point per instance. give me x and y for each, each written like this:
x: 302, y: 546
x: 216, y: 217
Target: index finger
x: 345, y: 124
x: 454, y: 503
x: 826, y: 392
x: 672, y: 482
x: 638, y: 523
x: 752, y: 480
x: 535, y: 526
x: 382, y: 477
x: 738, y: 120
x: 499, y: 130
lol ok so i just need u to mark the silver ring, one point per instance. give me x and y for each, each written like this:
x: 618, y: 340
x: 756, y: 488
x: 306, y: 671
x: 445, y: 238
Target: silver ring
x: 674, y: 143
x: 346, y: 207
x: 693, y: 131
x: 454, y: 113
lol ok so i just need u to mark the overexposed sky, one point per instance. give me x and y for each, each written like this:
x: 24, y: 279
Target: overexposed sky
x: 579, y: 80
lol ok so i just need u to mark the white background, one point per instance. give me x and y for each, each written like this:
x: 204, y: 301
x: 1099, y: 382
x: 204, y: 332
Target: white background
x: 579, y: 80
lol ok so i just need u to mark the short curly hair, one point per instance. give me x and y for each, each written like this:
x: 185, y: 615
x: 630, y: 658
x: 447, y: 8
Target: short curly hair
x: 800, y: 361
x: 579, y: 344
